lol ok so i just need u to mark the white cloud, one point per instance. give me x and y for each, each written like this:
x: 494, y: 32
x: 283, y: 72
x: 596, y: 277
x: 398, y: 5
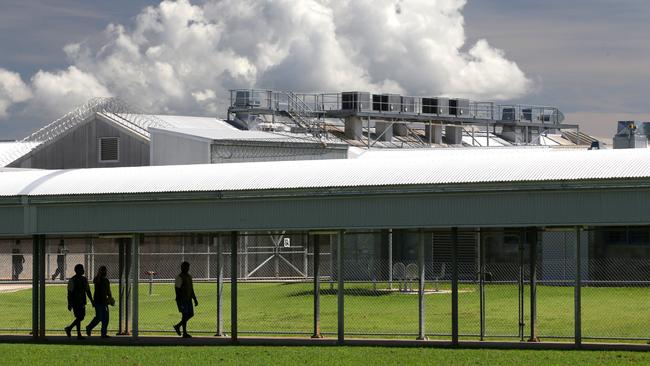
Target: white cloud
x: 58, y: 92
x: 182, y: 58
x: 12, y: 90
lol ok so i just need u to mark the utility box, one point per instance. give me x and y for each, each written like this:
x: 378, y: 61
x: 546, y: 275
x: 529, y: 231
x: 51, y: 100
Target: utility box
x: 386, y: 102
x: 355, y: 101
x: 631, y: 135
x: 408, y: 105
x: 454, y: 135
x: 437, y: 106
x: 459, y: 107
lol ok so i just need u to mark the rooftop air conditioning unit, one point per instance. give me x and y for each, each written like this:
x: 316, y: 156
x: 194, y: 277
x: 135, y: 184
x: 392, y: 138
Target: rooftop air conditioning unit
x: 437, y: 106
x: 355, y: 101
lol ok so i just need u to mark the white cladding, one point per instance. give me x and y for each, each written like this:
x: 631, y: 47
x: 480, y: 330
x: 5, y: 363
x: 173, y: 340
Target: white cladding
x: 382, y: 168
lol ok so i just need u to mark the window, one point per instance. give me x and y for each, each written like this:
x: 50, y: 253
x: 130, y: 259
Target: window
x: 109, y: 148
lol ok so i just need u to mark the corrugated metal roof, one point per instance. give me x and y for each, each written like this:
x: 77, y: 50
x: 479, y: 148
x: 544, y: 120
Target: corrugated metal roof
x: 406, y: 167
x: 11, y: 151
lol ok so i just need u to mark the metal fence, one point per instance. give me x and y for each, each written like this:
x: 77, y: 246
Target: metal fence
x: 500, y: 294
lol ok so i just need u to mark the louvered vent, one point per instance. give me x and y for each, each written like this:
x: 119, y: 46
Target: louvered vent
x: 109, y: 149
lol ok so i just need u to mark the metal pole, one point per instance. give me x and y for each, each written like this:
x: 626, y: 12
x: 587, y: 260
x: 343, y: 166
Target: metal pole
x: 127, y: 285
x: 454, y: 286
x: 316, y: 241
x: 531, y: 236
x: 520, y: 289
x: 576, y: 292
x: 390, y: 259
x: 481, y: 284
x: 219, y: 288
x: 233, y: 286
x: 35, y: 287
x: 421, y: 330
x: 120, y: 259
x: 135, y: 273
x: 41, y: 284
x: 340, y: 291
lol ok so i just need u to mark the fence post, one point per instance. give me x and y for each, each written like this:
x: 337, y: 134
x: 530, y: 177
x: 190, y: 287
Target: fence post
x: 390, y: 259
x: 576, y: 292
x: 340, y: 291
x: 219, y: 287
x: 316, y: 241
x: 454, y: 286
x: 481, y: 285
x: 41, y: 284
x: 520, y: 287
x: 136, y: 240
x: 531, y: 236
x: 233, y: 286
x: 35, y: 288
x: 421, y: 330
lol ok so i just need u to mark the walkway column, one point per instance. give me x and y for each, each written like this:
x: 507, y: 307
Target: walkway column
x: 41, y: 285
x: 576, y: 292
x: 135, y: 274
x: 217, y: 239
x: 340, y: 291
x: 531, y: 236
x: 316, y: 241
x: 454, y: 286
x: 481, y: 284
x: 233, y: 285
x: 421, y: 330
x: 35, y: 287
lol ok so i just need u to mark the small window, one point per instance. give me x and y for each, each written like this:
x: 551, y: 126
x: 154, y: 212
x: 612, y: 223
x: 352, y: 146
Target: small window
x: 109, y: 148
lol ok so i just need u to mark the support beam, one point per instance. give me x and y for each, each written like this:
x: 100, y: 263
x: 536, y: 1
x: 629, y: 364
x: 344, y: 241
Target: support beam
x: 340, y: 291
x: 481, y: 284
x: 217, y: 238
x: 454, y: 286
x: 576, y: 292
x: 41, y: 285
x: 421, y: 329
x: 531, y: 237
x: 135, y: 275
x: 35, y: 287
x: 233, y: 286
x: 316, y: 241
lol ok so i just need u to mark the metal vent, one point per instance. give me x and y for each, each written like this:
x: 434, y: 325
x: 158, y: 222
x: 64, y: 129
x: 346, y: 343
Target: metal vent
x: 109, y: 149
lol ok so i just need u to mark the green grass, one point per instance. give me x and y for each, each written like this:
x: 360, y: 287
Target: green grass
x: 287, y: 308
x: 53, y: 355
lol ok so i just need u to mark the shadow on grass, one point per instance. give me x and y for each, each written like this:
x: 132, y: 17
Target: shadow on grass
x: 346, y: 292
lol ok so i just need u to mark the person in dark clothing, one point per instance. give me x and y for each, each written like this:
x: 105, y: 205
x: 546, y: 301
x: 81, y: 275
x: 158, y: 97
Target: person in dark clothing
x: 103, y: 298
x: 60, y: 261
x: 17, y: 261
x: 78, y: 289
x: 184, y: 296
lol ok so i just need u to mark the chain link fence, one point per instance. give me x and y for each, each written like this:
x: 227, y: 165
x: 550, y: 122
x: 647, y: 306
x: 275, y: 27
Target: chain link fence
x: 380, y: 274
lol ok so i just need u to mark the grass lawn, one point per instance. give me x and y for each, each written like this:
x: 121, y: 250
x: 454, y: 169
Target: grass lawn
x: 53, y: 355
x: 287, y: 308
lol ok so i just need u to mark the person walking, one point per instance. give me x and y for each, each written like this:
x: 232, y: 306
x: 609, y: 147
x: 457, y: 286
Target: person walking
x: 17, y: 261
x: 78, y: 289
x: 184, y: 296
x: 60, y: 261
x: 103, y: 298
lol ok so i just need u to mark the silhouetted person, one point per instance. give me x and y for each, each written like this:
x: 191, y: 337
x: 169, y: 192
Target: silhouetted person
x: 78, y: 289
x: 184, y: 296
x: 17, y: 261
x: 103, y: 298
x: 60, y: 261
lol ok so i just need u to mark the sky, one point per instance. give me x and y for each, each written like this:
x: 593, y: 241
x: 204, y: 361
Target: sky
x: 588, y: 57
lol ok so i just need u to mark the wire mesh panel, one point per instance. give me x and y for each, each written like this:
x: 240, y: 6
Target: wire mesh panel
x: 555, y: 285
x: 616, y: 276
x: 506, y: 268
x: 372, y: 306
x: 438, y: 285
x: 15, y: 286
x: 275, y: 294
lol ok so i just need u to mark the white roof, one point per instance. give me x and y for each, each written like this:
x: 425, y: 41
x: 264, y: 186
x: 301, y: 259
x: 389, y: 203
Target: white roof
x: 201, y: 123
x: 221, y: 134
x: 405, y: 167
x: 10, y: 151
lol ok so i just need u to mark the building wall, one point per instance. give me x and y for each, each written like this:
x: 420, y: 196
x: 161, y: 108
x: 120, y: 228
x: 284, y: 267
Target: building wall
x: 79, y: 149
x: 175, y: 149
